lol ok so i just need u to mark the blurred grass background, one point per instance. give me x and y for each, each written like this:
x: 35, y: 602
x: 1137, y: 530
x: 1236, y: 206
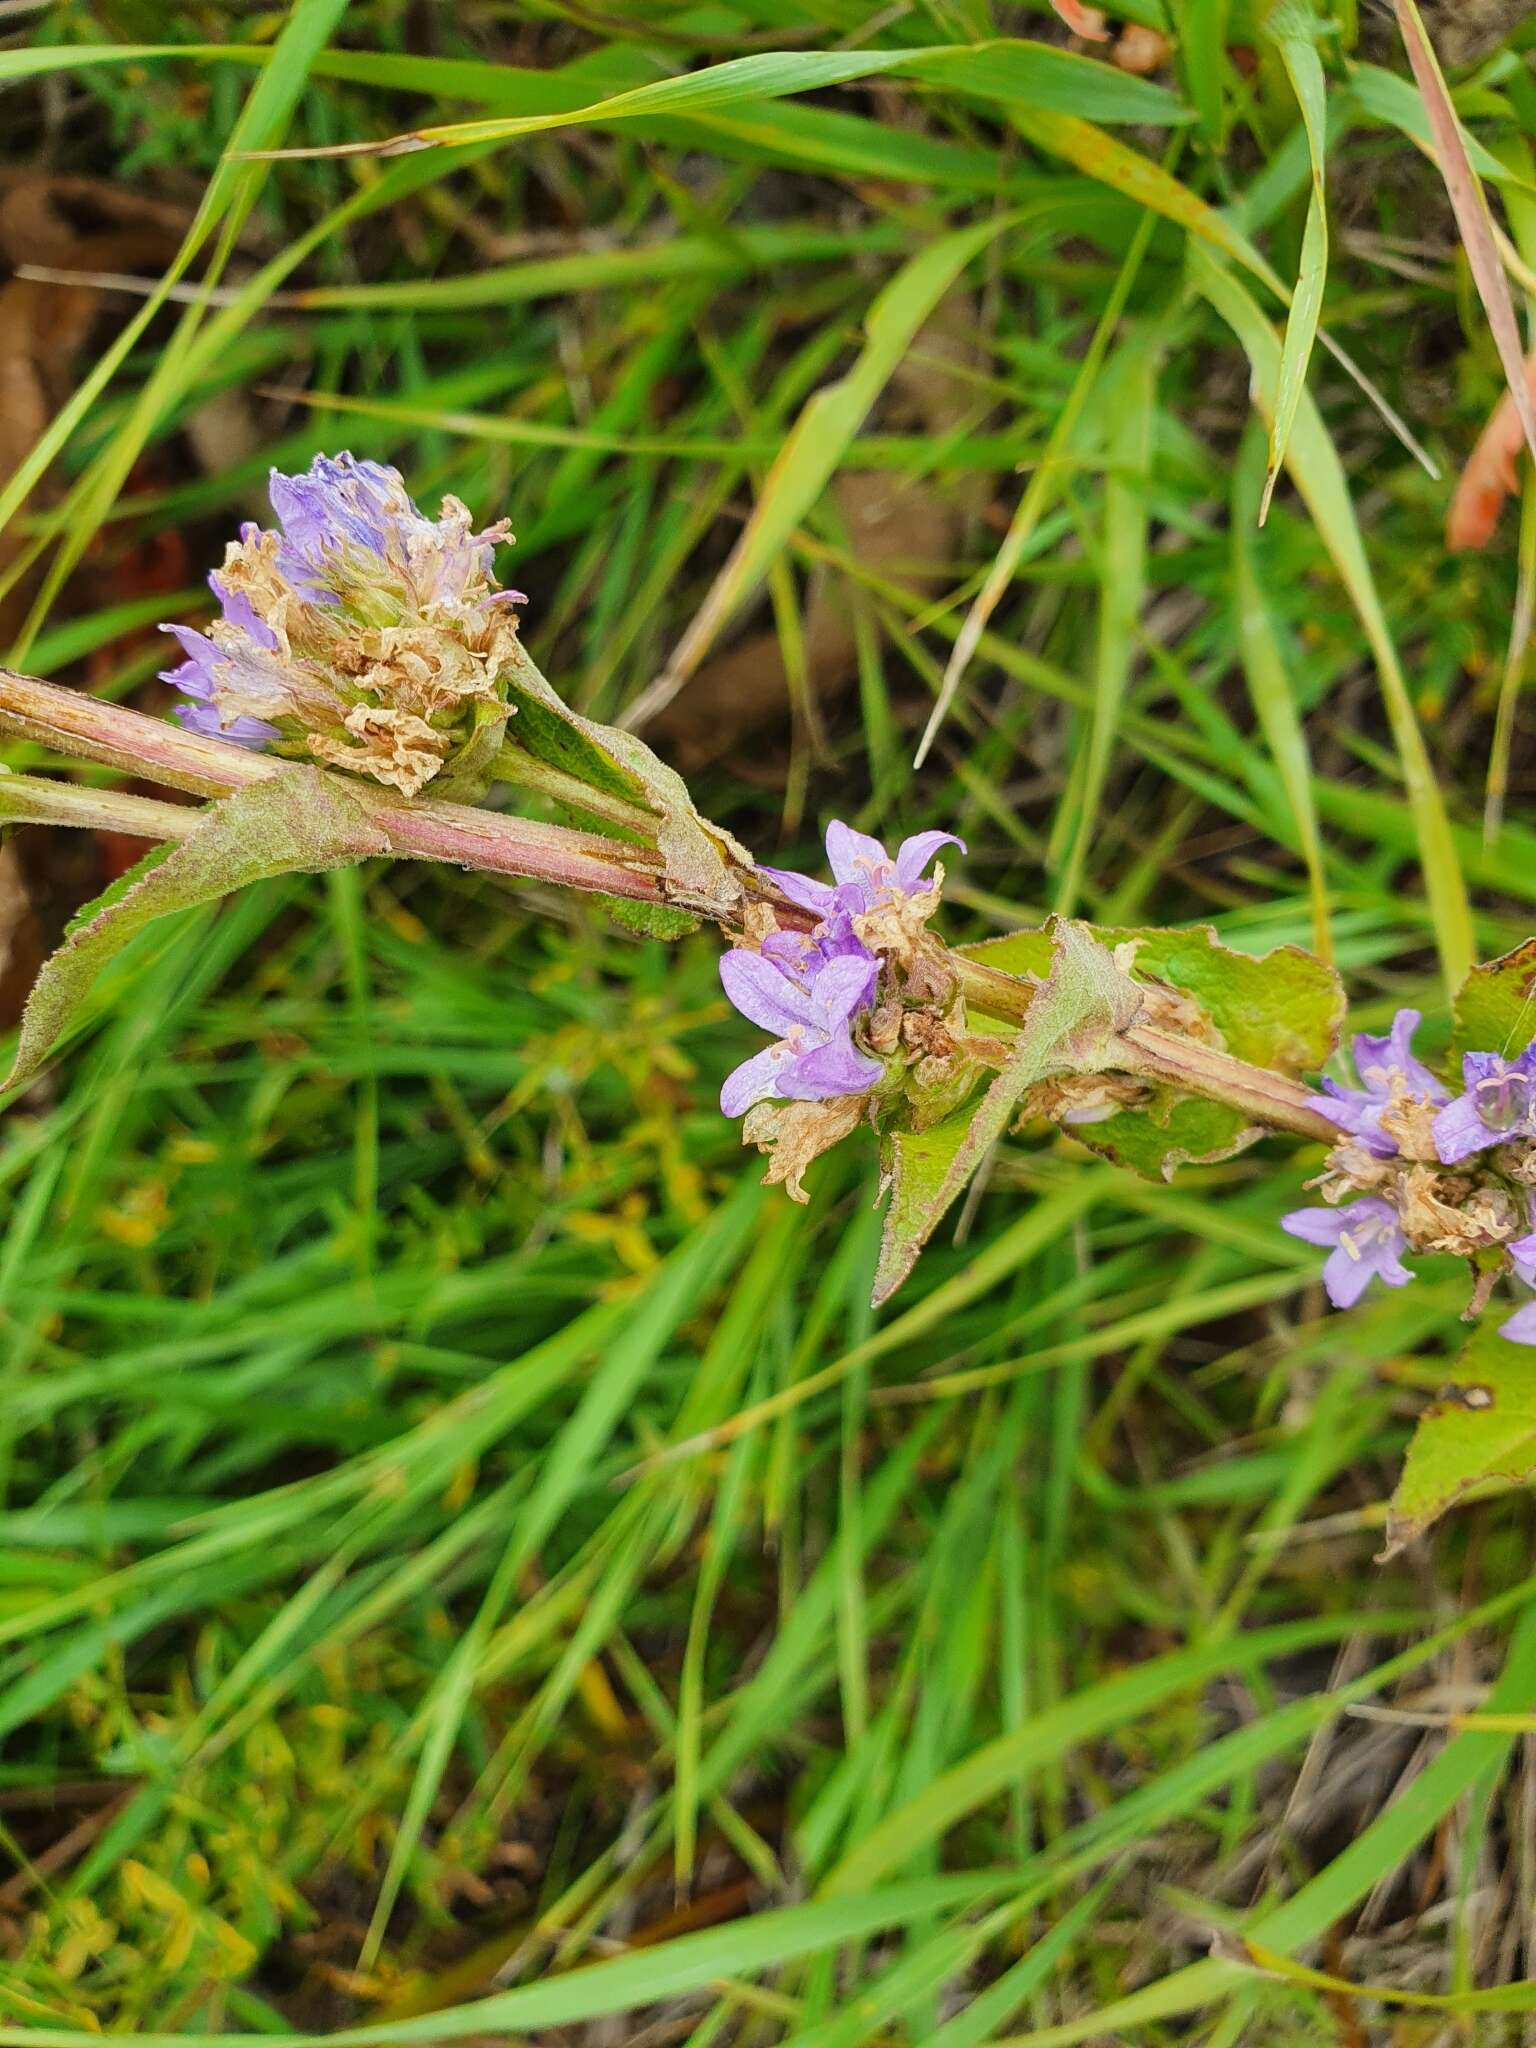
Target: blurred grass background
x: 461, y: 1536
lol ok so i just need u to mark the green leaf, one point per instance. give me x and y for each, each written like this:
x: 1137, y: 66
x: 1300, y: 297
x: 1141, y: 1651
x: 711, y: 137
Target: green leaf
x: 301, y: 821
x: 1481, y: 1426
x: 1495, y: 1007
x: 1269, y: 684
x: 1280, y: 1010
x: 1129, y: 396
x: 702, y: 860
x: 650, y: 920
x: 1385, y: 97
x: 1082, y: 1002
x: 1015, y: 71
x: 916, y: 1163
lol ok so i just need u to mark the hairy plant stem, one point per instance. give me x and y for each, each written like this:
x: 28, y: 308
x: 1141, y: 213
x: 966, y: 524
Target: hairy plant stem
x: 32, y: 800
x: 69, y: 723
x: 1271, y: 1099
x: 494, y: 843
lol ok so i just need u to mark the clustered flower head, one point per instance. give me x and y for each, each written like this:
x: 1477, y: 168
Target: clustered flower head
x: 363, y: 635
x: 1400, y: 1179
x: 861, y: 1005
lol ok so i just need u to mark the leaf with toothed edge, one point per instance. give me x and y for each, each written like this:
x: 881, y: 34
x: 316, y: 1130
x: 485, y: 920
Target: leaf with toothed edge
x: 1480, y: 1427
x: 1081, y: 1002
x: 1281, y: 1010
x: 301, y: 821
x: 1495, y: 1007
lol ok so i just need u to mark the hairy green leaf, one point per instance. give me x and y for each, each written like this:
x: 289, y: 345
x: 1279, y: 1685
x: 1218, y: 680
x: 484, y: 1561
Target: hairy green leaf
x: 702, y: 860
x: 1083, y: 1000
x: 1481, y: 1426
x: 1495, y: 1007
x: 1280, y: 1010
x: 301, y: 821
x: 650, y: 920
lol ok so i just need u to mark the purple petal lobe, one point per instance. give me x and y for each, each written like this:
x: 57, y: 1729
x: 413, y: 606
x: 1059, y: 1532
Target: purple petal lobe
x: 1314, y: 1226
x: 1522, y: 1256
x: 1459, y: 1131
x: 801, y: 889
x: 754, y: 1080
x: 245, y: 732
x: 1345, y: 1277
x: 763, y: 992
x: 855, y: 857
x: 836, y: 1068
x: 1521, y: 1326
x: 843, y: 986
x: 914, y: 854
x: 239, y: 611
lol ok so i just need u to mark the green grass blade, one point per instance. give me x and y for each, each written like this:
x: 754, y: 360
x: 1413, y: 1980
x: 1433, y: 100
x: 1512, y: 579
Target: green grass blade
x: 1319, y: 477
x: 1293, y: 29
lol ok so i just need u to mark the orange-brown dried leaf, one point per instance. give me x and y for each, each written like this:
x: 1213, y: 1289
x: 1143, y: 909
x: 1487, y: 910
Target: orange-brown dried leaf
x: 1087, y: 22
x: 1491, y: 474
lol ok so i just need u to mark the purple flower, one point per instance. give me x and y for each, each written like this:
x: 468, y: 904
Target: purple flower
x: 340, y: 499
x: 244, y: 730
x: 803, y: 955
x: 866, y: 877
x: 1367, y: 1240
x: 1388, y: 1072
x: 351, y: 531
x: 1521, y: 1326
x: 1500, y: 1104
x: 364, y: 635
x: 810, y: 1008
x: 197, y: 678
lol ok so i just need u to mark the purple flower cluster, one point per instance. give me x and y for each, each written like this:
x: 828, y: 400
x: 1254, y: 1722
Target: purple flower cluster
x: 811, y: 987
x: 363, y: 634
x: 1366, y: 1237
x: 1389, y: 1074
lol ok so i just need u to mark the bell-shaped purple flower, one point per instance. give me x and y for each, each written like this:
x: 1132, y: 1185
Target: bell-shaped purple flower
x: 814, y: 1057
x: 866, y: 877
x: 1367, y: 1243
x: 1499, y: 1105
x: 1389, y: 1073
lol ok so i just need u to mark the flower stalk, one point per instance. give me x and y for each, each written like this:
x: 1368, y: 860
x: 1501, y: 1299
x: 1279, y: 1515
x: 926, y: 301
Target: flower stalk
x: 466, y: 836
x: 34, y: 800
x: 493, y: 842
x: 1270, y: 1099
